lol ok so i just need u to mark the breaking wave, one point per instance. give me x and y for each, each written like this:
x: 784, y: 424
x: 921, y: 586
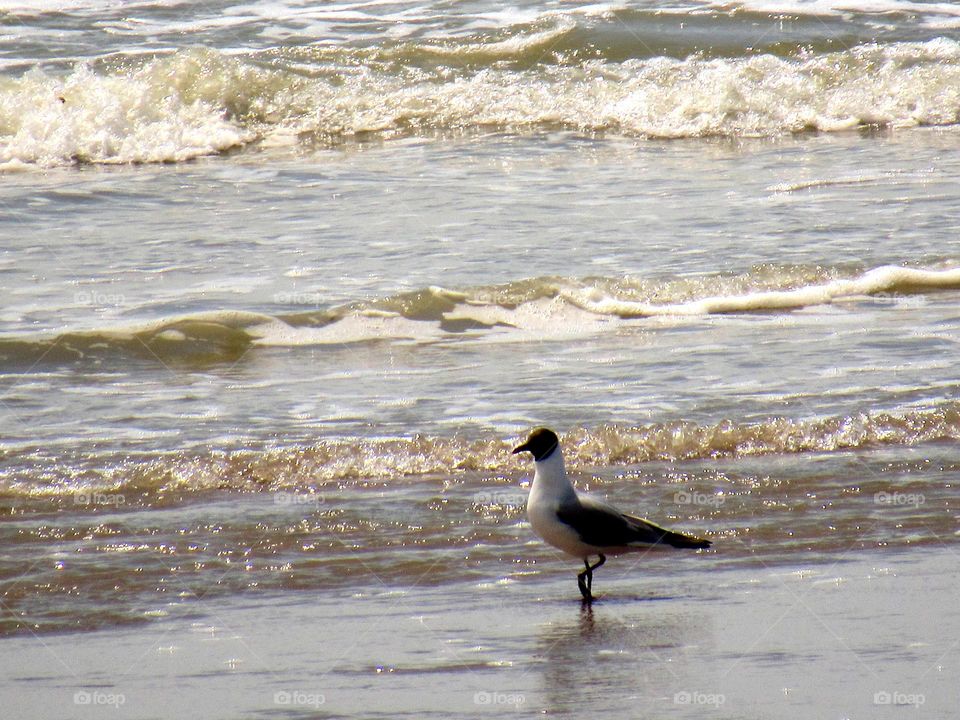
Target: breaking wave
x: 325, y: 464
x: 536, y: 309
x: 199, y: 102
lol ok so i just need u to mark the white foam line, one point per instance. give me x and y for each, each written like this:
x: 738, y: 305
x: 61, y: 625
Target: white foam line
x: 840, y: 7
x: 862, y: 179
x: 508, y: 47
x: 875, y: 281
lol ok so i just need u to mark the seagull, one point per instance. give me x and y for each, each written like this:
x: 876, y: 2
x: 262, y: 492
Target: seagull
x: 583, y: 526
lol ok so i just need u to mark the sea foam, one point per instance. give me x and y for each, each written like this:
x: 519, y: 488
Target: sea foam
x: 873, y: 282
x: 198, y: 102
x: 157, y: 113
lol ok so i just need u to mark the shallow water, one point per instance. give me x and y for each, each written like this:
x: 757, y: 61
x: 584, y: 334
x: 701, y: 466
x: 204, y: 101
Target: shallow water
x: 262, y: 313
x: 99, y: 558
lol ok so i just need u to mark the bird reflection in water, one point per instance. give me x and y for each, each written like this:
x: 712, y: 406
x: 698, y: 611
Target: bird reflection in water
x: 608, y: 658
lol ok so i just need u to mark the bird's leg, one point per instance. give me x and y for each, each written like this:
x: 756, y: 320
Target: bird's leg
x: 590, y: 569
x: 582, y: 581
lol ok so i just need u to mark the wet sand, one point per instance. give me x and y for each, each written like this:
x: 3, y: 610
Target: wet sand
x: 868, y: 636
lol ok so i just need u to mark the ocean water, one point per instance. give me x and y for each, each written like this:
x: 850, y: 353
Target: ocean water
x: 282, y: 283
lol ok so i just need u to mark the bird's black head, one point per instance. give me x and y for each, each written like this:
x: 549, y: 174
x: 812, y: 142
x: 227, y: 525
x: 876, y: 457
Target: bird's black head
x: 541, y: 443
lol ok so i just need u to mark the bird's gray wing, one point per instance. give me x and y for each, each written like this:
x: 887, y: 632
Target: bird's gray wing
x: 601, y: 525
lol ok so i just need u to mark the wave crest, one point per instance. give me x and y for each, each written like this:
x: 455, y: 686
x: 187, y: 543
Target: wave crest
x: 330, y: 462
x: 200, y: 102
x: 535, y: 309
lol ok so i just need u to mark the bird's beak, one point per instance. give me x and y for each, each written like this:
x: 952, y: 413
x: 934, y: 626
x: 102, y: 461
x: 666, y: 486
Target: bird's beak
x: 521, y: 448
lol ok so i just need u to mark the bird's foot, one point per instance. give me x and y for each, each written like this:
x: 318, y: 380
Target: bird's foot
x: 585, y: 579
x: 583, y: 582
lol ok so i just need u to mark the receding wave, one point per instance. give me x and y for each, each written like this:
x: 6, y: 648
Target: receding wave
x: 329, y: 462
x: 537, y: 309
x: 200, y: 102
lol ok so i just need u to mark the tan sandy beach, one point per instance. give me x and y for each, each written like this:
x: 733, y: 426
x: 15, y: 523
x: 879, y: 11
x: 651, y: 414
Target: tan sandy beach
x: 872, y: 637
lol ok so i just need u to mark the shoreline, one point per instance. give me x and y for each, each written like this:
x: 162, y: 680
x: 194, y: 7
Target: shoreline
x: 854, y: 638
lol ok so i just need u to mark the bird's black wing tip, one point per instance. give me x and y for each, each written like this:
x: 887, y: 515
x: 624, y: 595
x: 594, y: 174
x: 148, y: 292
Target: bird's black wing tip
x: 688, y: 541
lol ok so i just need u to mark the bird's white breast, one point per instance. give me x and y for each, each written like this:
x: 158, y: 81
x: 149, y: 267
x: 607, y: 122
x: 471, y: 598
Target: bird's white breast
x: 544, y: 521
x: 550, y: 490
